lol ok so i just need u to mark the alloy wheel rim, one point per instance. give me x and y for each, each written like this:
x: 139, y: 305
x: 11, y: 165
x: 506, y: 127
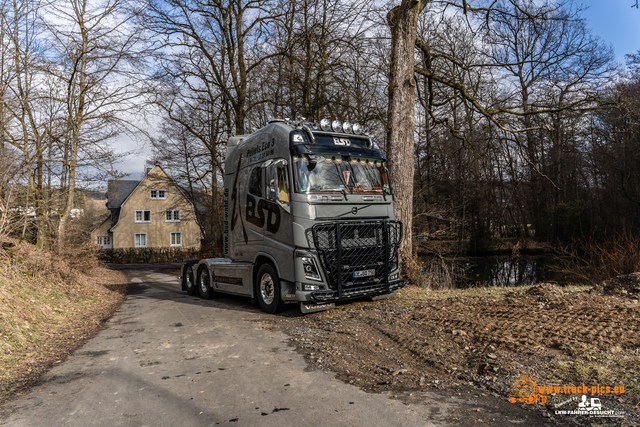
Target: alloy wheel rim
x: 203, y: 282
x: 267, y: 288
x: 189, y: 278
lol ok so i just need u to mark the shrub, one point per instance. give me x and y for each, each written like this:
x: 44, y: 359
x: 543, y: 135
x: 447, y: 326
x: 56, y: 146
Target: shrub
x: 147, y: 255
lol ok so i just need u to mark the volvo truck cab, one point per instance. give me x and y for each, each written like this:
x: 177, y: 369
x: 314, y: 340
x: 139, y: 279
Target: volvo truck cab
x: 308, y: 219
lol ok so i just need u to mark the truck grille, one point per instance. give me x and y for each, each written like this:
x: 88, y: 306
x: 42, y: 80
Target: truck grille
x: 356, y: 253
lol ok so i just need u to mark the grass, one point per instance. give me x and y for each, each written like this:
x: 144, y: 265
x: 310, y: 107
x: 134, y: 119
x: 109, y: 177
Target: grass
x: 415, y: 293
x: 589, y: 371
x: 49, y: 304
x: 598, y: 258
x: 412, y: 294
x: 559, y: 365
x: 582, y: 363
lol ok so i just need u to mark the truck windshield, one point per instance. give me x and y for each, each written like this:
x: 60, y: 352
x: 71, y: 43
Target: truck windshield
x: 329, y: 173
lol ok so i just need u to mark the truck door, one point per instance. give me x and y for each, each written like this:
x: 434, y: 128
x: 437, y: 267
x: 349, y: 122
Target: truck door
x: 278, y: 229
x: 254, y: 208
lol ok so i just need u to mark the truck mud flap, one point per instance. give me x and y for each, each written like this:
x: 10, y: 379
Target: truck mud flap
x: 313, y: 308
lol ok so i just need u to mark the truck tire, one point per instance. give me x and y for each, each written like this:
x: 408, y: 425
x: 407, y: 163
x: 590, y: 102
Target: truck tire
x: 204, y: 283
x: 268, y: 290
x: 190, y: 281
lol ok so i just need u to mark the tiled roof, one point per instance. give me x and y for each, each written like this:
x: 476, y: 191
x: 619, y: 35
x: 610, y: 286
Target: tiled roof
x: 118, y: 190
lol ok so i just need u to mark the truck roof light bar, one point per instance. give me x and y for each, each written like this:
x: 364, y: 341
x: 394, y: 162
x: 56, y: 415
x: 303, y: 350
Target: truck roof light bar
x: 325, y: 125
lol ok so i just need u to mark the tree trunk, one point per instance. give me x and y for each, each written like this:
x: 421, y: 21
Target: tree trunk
x: 403, y: 21
x: 77, y: 118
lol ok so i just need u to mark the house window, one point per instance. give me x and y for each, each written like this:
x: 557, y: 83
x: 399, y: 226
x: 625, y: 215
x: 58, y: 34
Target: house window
x: 143, y: 216
x: 172, y: 215
x: 140, y: 240
x: 103, y: 240
x: 176, y: 239
x: 158, y: 194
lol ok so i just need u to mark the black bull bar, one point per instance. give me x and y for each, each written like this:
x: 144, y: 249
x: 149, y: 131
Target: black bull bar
x: 357, y: 257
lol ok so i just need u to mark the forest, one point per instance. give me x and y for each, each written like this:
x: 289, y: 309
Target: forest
x: 504, y: 119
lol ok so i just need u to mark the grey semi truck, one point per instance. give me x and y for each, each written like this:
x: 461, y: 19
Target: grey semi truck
x: 308, y: 218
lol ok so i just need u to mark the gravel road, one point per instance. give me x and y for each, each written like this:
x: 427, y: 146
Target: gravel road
x: 167, y: 359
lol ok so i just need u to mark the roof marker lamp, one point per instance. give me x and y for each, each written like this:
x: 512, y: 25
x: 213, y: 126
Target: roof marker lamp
x: 325, y: 125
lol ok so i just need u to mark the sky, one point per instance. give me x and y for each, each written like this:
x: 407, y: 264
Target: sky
x: 615, y: 21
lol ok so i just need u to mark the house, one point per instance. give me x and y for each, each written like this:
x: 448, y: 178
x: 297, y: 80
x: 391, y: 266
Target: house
x: 152, y: 213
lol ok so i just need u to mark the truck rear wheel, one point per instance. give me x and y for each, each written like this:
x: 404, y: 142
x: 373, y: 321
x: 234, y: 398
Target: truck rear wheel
x: 190, y: 281
x: 204, y: 284
x: 268, y: 290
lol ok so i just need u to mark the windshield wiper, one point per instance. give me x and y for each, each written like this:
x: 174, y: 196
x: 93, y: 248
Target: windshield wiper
x: 388, y: 191
x: 344, y: 184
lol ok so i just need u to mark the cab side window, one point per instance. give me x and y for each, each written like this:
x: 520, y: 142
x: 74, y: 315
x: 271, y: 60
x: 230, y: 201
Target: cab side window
x: 255, y: 182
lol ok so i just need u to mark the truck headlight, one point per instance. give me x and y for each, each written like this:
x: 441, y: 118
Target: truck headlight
x: 394, y: 276
x: 310, y: 269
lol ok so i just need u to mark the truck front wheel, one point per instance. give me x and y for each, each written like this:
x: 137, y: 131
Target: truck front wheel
x: 268, y: 290
x: 204, y: 284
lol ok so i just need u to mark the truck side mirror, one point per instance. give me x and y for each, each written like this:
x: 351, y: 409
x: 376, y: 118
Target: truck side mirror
x: 273, y: 194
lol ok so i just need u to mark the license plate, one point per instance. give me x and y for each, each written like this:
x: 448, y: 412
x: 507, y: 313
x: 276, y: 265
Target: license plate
x: 363, y: 273
x: 312, y: 308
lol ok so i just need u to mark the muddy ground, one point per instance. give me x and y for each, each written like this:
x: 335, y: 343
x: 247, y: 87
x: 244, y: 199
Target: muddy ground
x: 484, y: 340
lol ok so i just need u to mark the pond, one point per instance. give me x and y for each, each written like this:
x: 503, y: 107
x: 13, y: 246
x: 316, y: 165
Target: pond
x: 488, y: 271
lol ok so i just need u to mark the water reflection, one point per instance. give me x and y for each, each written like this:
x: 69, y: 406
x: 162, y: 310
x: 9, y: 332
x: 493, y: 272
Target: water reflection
x: 489, y: 271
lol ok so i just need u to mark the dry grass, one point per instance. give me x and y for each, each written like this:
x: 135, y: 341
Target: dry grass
x: 595, y: 259
x: 49, y: 305
x: 412, y: 294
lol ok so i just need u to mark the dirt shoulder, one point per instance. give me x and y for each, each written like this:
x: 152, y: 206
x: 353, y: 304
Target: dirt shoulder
x: 49, y: 306
x: 486, y: 339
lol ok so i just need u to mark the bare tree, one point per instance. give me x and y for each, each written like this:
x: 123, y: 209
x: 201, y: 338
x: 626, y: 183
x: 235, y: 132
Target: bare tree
x: 10, y: 171
x: 25, y: 127
x: 320, y: 45
x: 192, y: 149
x: 99, y: 62
x: 403, y: 20
x: 614, y: 137
x: 546, y: 47
x: 213, y: 40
